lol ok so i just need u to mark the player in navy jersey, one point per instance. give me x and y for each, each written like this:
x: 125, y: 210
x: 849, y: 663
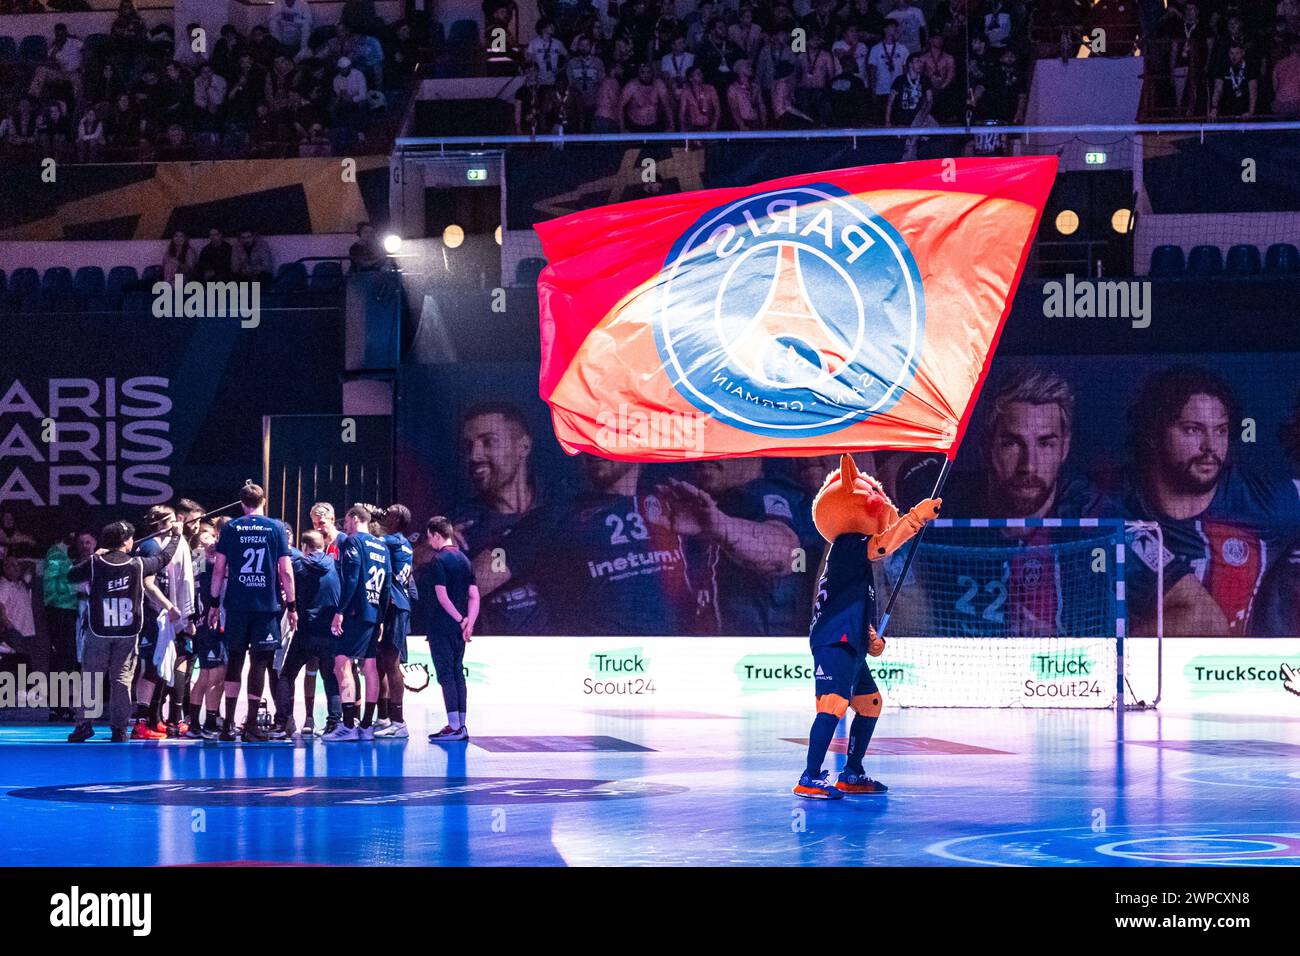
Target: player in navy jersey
x: 209, y: 649
x: 251, y: 575
x: 322, y: 522
x: 861, y: 525
x: 316, y: 584
x: 1223, y: 526
x: 742, y: 548
x: 365, y: 572
x: 446, y: 612
x: 397, y: 623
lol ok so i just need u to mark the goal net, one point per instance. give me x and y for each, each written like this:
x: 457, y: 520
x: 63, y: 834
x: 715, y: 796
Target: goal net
x: 1007, y: 613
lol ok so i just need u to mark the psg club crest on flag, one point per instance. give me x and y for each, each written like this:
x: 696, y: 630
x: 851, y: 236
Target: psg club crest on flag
x: 797, y: 311
x: 838, y: 311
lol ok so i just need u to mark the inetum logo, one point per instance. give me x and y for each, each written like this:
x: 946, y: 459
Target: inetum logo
x: 76, y: 909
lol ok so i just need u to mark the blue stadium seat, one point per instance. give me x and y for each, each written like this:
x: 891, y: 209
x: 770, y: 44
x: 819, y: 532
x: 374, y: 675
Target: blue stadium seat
x: 1205, y: 261
x: 57, y: 279
x: 1282, y: 259
x: 23, y: 282
x: 292, y: 277
x: 150, y: 276
x: 326, y: 277
x: 119, y: 277
x: 4, y: 282
x: 1167, y: 261
x: 89, y: 281
x: 1243, y: 260
x: 528, y: 270
x: 8, y: 48
x: 437, y: 34
x: 34, y: 49
x: 463, y: 33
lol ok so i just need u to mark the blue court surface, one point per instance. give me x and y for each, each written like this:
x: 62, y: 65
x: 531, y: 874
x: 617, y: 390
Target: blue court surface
x: 610, y: 787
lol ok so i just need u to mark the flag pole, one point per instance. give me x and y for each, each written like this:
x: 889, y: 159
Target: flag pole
x: 206, y: 514
x: 911, y: 552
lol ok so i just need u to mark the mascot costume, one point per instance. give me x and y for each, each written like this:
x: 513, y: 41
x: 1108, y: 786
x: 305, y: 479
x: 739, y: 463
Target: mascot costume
x: 860, y: 525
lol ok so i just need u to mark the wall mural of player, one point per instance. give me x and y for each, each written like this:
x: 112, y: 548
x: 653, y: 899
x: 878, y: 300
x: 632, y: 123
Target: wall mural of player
x: 1224, y: 526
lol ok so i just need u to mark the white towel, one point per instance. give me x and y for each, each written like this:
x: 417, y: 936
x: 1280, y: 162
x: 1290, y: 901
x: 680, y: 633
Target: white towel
x: 164, y: 652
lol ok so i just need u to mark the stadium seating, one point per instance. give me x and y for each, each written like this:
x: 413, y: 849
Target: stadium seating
x: 326, y: 277
x: 57, y: 280
x: 1282, y: 259
x: 292, y: 277
x: 1205, y: 262
x: 151, y: 275
x: 89, y: 282
x: 8, y: 49
x: 34, y: 49
x: 1168, y: 262
x: 1243, y: 260
x: 120, y: 278
x: 23, y: 282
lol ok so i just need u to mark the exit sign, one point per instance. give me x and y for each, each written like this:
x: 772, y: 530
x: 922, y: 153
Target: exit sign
x: 480, y: 175
x: 1095, y: 158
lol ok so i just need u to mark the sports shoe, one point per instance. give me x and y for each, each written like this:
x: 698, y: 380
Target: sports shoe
x: 194, y: 732
x: 342, y: 734
x: 394, y: 731
x: 254, y: 734
x: 851, y: 782
x: 142, y: 732
x: 177, y: 731
x: 447, y: 734
x: 227, y: 735
x: 279, y: 732
x: 817, y: 788
x: 119, y: 737
x: 383, y: 723
x: 365, y: 733
x: 309, y: 728
x: 330, y: 725
x: 161, y: 727
x: 81, y: 733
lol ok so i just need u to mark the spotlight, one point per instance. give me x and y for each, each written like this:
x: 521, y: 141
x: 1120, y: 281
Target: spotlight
x: 453, y: 236
x: 1067, y: 222
x: 1121, y: 220
x: 497, y: 235
x: 392, y: 244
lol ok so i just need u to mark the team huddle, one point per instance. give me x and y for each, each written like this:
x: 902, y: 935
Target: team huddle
x: 182, y: 617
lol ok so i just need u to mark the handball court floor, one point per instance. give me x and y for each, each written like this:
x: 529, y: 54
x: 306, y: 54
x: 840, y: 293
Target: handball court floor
x: 624, y: 787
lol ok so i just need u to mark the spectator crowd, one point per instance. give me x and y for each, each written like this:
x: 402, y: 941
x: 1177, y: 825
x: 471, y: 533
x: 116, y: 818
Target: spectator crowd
x: 772, y: 64
x: 286, y: 88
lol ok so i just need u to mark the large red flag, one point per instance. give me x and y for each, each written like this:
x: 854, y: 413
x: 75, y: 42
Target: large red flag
x: 839, y: 311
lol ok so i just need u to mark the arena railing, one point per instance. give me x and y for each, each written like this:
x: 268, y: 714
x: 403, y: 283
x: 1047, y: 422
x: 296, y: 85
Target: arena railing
x: 887, y: 132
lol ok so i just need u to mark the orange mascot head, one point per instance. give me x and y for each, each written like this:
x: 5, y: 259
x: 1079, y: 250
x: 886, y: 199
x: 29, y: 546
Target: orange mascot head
x: 851, y: 502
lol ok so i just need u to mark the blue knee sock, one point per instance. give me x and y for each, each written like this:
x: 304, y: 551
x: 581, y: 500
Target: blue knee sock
x: 819, y: 741
x: 859, y: 736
